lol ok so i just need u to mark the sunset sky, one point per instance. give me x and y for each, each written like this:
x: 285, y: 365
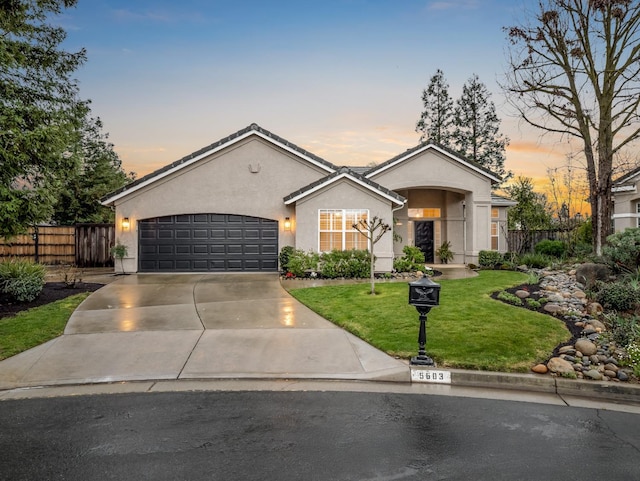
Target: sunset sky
x: 341, y: 78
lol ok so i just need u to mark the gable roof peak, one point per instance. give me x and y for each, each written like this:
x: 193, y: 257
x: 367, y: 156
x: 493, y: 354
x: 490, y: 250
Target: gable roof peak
x: 252, y: 129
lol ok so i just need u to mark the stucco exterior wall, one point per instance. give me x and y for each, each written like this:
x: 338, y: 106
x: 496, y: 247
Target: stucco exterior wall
x: 343, y: 194
x: 249, y: 178
x: 433, y: 180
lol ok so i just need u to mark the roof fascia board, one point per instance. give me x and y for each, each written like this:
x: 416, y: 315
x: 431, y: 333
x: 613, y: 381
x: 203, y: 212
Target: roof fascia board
x: 216, y: 149
x: 624, y: 188
x: 337, y: 178
x: 438, y: 149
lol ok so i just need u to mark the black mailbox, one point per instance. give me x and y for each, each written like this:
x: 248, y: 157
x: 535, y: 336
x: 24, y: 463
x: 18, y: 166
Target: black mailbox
x: 424, y: 293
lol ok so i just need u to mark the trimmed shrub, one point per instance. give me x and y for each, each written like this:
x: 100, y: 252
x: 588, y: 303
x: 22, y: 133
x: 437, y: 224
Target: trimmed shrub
x: 618, y: 296
x: 622, y: 250
x: 350, y: 264
x: 551, y: 248
x: 412, y: 260
x: 22, y: 280
x: 300, y: 262
x: 489, y: 259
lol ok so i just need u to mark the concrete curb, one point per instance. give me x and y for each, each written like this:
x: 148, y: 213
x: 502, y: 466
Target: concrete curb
x: 613, y: 391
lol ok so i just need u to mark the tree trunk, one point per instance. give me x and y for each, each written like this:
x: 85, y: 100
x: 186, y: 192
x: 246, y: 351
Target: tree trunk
x: 373, y: 279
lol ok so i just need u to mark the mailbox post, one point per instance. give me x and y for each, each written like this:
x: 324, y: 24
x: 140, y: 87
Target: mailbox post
x: 423, y: 294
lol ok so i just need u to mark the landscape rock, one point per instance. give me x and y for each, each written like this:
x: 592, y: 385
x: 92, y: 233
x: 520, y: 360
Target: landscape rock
x: 540, y: 369
x: 593, y: 374
x: 560, y: 366
x: 553, y: 308
x: 594, y: 309
x: 587, y: 274
x: 522, y: 294
x: 586, y: 347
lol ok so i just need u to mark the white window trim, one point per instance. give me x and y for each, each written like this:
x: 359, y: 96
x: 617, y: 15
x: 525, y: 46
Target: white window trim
x: 343, y: 231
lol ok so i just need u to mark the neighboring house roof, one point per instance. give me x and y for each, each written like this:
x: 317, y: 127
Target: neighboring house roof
x: 344, y: 173
x: 501, y: 201
x: 443, y: 150
x: 360, y: 170
x: 253, y: 129
x: 627, y: 182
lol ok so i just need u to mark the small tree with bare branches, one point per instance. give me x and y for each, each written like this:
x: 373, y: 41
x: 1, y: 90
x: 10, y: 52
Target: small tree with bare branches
x: 373, y: 231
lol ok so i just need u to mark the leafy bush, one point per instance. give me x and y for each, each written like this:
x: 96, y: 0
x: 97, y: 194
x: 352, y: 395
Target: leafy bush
x: 22, y: 280
x: 300, y: 262
x: 285, y: 254
x: 350, y: 264
x: 551, y: 248
x: 412, y: 260
x: 618, y: 296
x: 622, y: 329
x: 337, y: 263
x: 444, y: 252
x: 537, y: 261
x: 622, y: 250
x: 489, y: 259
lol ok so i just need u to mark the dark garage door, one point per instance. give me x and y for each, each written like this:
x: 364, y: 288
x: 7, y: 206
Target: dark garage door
x: 207, y: 242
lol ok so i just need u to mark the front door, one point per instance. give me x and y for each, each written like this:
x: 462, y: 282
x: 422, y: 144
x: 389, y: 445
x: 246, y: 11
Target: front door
x: 424, y: 238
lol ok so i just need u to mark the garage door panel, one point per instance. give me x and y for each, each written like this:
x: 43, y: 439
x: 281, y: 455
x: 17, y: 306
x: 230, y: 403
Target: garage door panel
x: 208, y: 242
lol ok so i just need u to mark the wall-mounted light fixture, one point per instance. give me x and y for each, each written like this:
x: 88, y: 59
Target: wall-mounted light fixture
x: 125, y: 223
x: 287, y: 223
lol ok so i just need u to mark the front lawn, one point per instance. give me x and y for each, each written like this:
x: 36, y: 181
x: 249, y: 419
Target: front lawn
x: 468, y: 330
x: 35, y: 326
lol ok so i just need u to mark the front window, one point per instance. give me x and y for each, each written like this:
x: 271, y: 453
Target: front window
x: 638, y: 212
x: 337, y: 232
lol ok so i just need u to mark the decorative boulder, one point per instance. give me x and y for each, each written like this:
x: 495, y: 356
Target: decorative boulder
x: 560, y: 366
x: 587, y: 274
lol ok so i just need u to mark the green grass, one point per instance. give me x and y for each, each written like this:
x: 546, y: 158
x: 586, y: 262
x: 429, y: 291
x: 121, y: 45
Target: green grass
x: 31, y: 328
x: 468, y: 330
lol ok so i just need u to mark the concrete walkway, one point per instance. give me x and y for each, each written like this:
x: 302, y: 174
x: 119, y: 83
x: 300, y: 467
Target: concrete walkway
x: 202, y: 326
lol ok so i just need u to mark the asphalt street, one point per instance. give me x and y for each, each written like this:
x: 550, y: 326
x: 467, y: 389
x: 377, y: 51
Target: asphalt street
x: 312, y: 436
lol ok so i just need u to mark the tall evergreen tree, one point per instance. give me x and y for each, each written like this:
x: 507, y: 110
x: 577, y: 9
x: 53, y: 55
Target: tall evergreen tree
x: 476, y: 135
x: 94, y: 169
x: 39, y: 109
x: 435, y: 123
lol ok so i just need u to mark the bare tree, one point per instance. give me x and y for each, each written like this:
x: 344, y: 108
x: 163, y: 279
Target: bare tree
x: 574, y: 70
x: 373, y: 231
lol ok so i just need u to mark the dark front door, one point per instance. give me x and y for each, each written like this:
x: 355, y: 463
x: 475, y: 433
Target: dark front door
x: 424, y: 238
x: 208, y: 242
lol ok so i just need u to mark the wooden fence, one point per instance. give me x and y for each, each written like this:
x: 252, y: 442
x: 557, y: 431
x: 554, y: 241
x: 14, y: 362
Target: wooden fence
x: 522, y: 242
x: 85, y: 245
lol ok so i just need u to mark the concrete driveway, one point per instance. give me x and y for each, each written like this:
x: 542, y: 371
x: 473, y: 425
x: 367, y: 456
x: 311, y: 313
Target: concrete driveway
x: 197, y: 326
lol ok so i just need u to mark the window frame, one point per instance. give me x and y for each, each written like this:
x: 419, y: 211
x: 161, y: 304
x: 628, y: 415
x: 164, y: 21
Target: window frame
x: 343, y: 230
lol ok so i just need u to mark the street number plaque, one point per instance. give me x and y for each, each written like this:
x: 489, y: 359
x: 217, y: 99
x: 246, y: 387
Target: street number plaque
x: 430, y: 375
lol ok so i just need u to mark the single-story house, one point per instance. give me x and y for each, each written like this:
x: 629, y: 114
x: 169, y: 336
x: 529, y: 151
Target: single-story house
x: 234, y: 204
x: 626, y: 201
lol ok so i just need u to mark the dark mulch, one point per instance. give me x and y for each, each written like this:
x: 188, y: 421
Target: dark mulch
x: 52, y: 291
